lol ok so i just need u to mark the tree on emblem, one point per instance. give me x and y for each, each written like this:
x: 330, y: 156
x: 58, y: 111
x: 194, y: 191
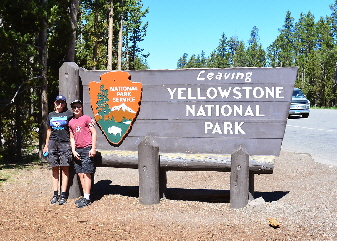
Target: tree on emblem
x: 102, y: 103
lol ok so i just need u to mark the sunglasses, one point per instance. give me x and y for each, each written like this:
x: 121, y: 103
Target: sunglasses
x: 76, y: 107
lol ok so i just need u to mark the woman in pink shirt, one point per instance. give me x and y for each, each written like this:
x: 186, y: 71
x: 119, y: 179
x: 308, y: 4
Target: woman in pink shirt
x: 83, y: 146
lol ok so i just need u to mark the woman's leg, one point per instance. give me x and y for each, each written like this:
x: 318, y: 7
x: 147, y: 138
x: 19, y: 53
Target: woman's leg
x: 87, y: 183
x: 55, y: 178
x: 64, y: 186
x: 65, y: 178
x: 81, y: 177
x: 55, y: 184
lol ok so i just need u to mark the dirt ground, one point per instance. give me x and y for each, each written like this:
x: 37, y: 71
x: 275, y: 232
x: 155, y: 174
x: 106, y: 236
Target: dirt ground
x: 300, y: 195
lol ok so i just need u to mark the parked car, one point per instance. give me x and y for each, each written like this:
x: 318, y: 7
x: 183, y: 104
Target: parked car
x: 300, y: 105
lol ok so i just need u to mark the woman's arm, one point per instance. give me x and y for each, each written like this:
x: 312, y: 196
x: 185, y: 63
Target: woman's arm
x: 93, y: 140
x: 73, y: 147
x: 45, y: 149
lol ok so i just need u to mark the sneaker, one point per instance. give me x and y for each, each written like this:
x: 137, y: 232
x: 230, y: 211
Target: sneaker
x: 79, y: 200
x: 83, y: 203
x: 55, y: 199
x: 62, y: 200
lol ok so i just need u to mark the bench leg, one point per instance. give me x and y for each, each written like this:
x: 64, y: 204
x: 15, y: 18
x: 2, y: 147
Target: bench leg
x: 251, y: 186
x: 239, y: 180
x: 162, y: 183
x: 148, y: 168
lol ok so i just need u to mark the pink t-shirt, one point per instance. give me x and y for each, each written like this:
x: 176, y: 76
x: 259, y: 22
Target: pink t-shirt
x: 80, y: 129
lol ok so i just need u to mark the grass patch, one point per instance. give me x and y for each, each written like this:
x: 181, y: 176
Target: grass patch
x: 8, y: 171
x: 4, y: 176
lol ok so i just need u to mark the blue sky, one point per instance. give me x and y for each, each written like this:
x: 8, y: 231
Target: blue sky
x: 191, y: 26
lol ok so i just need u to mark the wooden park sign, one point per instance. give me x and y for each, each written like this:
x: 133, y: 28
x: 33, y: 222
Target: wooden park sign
x: 212, y: 112
x: 206, y: 110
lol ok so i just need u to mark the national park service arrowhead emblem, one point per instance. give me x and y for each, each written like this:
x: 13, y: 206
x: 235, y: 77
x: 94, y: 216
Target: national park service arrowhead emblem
x: 115, y: 102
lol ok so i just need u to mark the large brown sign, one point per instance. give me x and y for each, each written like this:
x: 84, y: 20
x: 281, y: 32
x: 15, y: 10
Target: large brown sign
x: 206, y: 110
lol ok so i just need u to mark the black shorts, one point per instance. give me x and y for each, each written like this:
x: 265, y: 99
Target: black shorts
x: 85, y: 164
x: 59, y: 153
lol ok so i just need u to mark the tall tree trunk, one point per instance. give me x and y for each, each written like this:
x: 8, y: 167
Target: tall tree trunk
x: 127, y: 57
x: 44, y: 89
x: 120, y: 44
x: 120, y: 40
x: 73, y: 21
x: 95, y: 49
x: 18, y: 123
x: 111, y: 28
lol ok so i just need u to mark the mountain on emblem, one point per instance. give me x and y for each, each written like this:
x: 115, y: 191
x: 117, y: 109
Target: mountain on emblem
x: 115, y: 102
x: 123, y: 107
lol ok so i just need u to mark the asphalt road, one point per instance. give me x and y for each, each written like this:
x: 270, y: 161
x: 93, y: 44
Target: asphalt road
x: 316, y: 135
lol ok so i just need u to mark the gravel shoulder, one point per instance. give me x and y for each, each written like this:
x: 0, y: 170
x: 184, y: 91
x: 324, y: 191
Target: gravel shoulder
x: 300, y: 194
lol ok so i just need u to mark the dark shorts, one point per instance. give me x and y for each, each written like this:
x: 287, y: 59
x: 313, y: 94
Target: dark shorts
x: 86, y: 164
x: 59, y: 153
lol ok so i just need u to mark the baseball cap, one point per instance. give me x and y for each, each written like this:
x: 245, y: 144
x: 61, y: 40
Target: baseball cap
x: 60, y: 97
x: 76, y: 102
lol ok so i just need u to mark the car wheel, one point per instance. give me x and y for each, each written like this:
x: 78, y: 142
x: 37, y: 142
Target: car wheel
x: 305, y: 115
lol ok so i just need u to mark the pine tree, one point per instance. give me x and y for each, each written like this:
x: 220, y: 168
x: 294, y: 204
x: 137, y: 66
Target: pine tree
x: 240, y: 56
x: 182, y: 62
x: 256, y: 56
x: 233, y: 44
x: 135, y: 31
x: 192, y: 62
x: 222, y: 53
x: 102, y: 103
x: 281, y: 52
x: 203, y: 60
x: 128, y: 31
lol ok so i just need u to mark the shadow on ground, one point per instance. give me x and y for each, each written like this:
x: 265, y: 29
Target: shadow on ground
x: 104, y: 187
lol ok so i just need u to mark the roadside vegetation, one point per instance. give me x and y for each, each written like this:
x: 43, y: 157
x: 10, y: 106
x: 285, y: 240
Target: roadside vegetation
x: 329, y: 108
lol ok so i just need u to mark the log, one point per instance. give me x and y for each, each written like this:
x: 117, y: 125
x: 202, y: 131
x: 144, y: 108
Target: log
x: 184, y: 162
x: 239, y: 179
x: 74, y: 185
x: 69, y: 83
x: 148, y: 168
x: 69, y: 86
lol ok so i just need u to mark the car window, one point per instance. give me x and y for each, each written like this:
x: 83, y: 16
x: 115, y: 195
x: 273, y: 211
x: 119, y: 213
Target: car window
x: 298, y: 93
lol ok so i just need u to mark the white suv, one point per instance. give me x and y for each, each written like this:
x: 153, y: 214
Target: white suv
x: 300, y: 105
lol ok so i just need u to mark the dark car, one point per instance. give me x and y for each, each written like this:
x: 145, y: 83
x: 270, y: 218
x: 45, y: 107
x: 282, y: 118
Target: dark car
x: 300, y: 105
